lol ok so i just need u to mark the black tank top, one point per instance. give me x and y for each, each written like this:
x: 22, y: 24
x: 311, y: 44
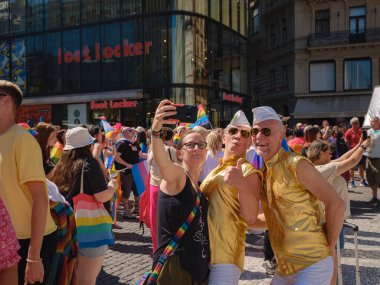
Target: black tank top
x: 194, y: 247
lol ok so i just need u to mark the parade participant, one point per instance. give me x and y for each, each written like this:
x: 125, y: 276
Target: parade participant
x: 290, y: 197
x: 76, y: 163
x: 320, y: 153
x: 311, y: 134
x: 214, y: 142
x: 23, y: 191
x: 178, y: 195
x: 296, y: 144
x: 155, y: 181
x: 352, y: 137
x: 56, y: 152
x: 233, y: 191
x: 97, y: 151
x: 373, y: 158
x: 46, y: 137
x: 326, y: 131
x: 128, y: 153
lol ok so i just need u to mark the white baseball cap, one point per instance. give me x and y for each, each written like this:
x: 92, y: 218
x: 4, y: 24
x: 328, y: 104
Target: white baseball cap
x: 239, y: 120
x: 78, y: 137
x: 264, y: 113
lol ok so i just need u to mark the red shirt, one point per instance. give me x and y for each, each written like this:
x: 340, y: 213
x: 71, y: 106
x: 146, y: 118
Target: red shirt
x: 352, y: 137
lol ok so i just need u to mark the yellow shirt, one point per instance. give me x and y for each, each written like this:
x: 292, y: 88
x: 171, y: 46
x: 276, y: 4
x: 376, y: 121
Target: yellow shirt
x: 21, y: 162
x: 226, y: 227
x: 294, y: 216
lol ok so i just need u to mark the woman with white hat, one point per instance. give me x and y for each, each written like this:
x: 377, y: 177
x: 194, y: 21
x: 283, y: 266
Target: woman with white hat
x: 77, y: 159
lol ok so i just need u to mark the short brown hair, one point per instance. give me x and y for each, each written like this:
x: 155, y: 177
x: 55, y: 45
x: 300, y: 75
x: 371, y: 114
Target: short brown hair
x: 11, y: 89
x: 314, y: 150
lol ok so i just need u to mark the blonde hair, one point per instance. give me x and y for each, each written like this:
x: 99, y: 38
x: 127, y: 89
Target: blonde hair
x: 214, y: 142
x: 201, y: 130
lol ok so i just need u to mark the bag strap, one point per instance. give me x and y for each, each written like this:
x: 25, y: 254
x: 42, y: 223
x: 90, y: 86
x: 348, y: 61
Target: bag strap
x: 177, y: 236
x: 81, y: 179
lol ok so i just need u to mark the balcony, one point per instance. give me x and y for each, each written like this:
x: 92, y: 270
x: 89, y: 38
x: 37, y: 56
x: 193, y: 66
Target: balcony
x: 344, y: 37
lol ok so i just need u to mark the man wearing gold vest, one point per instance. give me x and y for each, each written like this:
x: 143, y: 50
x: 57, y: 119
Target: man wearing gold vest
x: 303, y: 237
x: 233, y: 193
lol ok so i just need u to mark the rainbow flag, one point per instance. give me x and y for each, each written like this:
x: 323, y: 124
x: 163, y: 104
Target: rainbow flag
x: 106, y: 126
x: 202, y: 118
x: 26, y: 127
x: 140, y: 175
x: 56, y: 153
x: 176, y: 139
x: 109, y: 161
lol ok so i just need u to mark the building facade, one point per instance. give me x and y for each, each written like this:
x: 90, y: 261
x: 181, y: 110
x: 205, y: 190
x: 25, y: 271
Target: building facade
x: 78, y: 59
x: 315, y: 59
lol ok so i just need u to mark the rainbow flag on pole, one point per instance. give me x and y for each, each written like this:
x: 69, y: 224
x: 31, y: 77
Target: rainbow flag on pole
x: 140, y: 175
x: 202, y: 118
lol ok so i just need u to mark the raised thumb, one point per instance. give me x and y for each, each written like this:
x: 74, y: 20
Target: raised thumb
x: 239, y: 163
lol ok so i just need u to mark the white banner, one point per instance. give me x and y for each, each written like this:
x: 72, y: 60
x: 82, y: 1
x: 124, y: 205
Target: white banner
x: 374, y: 108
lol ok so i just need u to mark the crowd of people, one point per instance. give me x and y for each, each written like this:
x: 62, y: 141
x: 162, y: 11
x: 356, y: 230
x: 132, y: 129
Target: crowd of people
x: 206, y: 189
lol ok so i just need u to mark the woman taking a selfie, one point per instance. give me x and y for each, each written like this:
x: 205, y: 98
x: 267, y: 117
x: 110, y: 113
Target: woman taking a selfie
x: 179, y: 195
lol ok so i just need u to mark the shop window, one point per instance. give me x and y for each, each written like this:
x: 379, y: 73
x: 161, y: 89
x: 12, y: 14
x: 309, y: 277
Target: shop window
x: 70, y: 12
x: 111, y: 58
x: 357, y: 74
x: 322, y: 76
x: 91, y: 11
x: 131, y: 7
x: 357, y: 24
x: 52, y: 14
x: 53, y: 74
x: 4, y: 17
x: 36, y: 63
x: 70, y: 60
x: 111, y: 9
x: 215, y: 9
x: 90, y: 57
x: 4, y: 60
x: 133, y: 65
x: 17, y: 15
x: 35, y: 15
x: 322, y: 23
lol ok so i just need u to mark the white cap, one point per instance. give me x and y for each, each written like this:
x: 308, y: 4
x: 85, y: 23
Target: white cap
x: 239, y: 120
x: 264, y: 113
x: 77, y: 137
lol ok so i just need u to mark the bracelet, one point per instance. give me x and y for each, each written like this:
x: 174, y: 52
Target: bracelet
x: 363, y: 147
x: 160, y: 134
x: 33, y: 260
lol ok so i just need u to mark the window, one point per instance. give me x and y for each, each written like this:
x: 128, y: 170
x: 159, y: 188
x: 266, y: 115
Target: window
x: 357, y: 24
x: 91, y: 61
x: 215, y: 9
x: 357, y: 74
x: 35, y: 15
x: 4, y: 17
x: 71, y: 60
x: 52, y: 14
x: 322, y: 76
x: 284, y: 76
x: 91, y: 11
x: 17, y: 16
x: 70, y: 11
x: 272, y: 37
x: 284, y: 31
x: 226, y: 12
x: 256, y: 21
x: 272, y: 78
x: 322, y: 23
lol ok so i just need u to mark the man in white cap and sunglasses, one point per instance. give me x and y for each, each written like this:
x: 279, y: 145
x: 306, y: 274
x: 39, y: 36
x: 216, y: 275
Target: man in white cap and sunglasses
x: 291, y: 198
x: 233, y: 193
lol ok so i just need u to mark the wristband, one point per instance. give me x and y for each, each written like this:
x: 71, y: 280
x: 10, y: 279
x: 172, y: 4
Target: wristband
x: 160, y: 134
x: 33, y: 260
x: 363, y: 147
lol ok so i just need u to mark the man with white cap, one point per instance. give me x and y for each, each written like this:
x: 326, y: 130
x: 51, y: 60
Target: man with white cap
x: 233, y: 192
x: 373, y: 157
x: 291, y: 196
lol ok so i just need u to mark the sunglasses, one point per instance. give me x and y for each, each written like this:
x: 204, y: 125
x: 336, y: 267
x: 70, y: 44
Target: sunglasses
x: 265, y: 131
x: 244, y: 133
x: 191, y: 145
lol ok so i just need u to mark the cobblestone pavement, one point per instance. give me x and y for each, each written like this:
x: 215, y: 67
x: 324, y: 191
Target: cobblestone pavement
x: 130, y: 257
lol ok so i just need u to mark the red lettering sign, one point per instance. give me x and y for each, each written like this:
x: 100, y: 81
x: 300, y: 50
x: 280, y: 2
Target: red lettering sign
x: 108, y: 52
x: 112, y: 104
x: 232, y: 98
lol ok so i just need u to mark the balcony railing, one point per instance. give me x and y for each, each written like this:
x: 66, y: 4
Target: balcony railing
x: 344, y: 37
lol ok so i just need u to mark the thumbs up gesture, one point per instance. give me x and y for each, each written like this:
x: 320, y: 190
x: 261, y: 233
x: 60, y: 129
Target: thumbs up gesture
x: 234, y: 174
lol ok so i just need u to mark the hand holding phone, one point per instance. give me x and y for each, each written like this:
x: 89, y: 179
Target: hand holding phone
x: 364, y: 135
x: 185, y: 114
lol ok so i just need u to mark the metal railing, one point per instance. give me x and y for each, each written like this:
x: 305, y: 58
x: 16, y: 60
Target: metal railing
x: 344, y: 37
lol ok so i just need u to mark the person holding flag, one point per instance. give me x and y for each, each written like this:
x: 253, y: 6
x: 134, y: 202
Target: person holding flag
x: 233, y: 193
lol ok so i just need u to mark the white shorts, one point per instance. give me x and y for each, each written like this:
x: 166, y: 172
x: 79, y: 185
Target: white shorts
x: 319, y: 273
x: 224, y: 274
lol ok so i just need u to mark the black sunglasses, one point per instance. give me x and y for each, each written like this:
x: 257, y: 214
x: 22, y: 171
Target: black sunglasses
x: 265, y: 131
x: 244, y: 133
x: 191, y: 145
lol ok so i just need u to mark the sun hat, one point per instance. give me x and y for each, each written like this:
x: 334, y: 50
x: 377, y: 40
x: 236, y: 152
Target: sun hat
x: 239, y: 120
x: 264, y: 113
x: 78, y: 137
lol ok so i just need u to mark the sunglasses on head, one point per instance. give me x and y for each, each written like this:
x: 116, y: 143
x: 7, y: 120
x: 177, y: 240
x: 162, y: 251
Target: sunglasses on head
x: 244, y: 133
x: 191, y: 145
x: 265, y: 131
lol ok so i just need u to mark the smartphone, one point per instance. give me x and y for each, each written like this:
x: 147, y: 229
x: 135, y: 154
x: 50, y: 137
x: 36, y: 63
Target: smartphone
x: 364, y: 135
x: 185, y: 114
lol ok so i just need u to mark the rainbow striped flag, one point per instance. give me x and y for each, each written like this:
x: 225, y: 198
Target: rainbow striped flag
x: 176, y: 139
x: 56, y: 153
x: 202, y: 119
x: 106, y: 126
x: 140, y: 175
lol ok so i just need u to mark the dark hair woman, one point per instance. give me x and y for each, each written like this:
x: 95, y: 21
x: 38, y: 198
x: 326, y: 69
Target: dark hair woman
x: 311, y: 134
x: 67, y: 175
x: 46, y: 137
